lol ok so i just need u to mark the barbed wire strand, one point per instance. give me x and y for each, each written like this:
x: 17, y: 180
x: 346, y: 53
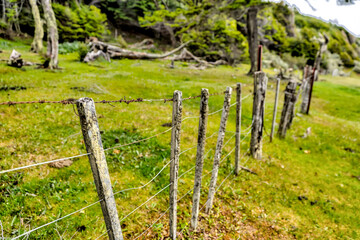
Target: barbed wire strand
x: 42, y: 163
x: 101, y: 235
x: 56, y: 220
x: 145, y: 202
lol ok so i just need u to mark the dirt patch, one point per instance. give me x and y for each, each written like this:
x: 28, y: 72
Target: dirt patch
x: 12, y: 88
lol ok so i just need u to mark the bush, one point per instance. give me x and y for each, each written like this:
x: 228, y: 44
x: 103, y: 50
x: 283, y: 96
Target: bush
x: 273, y: 61
x: 331, y: 61
x: 79, y: 22
x: 68, y: 47
x: 347, y: 60
x: 82, y: 51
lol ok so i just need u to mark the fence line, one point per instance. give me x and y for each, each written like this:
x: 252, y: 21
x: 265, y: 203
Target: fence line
x: 69, y: 101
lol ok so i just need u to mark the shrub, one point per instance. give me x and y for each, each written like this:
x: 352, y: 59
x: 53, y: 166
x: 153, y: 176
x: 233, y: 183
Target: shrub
x: 79, y: 22
x: 274, y: 61
x: 82, y: 51
x: 68, y: 47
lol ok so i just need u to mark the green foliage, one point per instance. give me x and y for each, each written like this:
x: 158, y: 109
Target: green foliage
x: 79, y: 22
x: 3, y: 25
x: 122, y: 41
x: 214, y: 35
x: 82, y: 51
x: 126, y: 10
x: 68, y: 47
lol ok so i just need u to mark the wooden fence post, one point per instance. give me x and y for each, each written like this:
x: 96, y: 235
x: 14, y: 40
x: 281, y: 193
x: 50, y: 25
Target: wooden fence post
x: 287, y: 112
x: 174, y: 158
x: 204, y: 109
x: 219, y: 145
x: 275, y: 109
x: 92, y: 139
x: 260, y: 83
x: 306, y: 90
x: 311, y: 89
x: 238, y: 127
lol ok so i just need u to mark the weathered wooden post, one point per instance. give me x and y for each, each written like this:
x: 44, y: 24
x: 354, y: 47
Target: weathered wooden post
x: 275, y: 108
x: 238, y: 127
x: 219, y: 145
x: 174, y: 158
x: 306, y: 90
x: 260, y: 83
x: 92, y: 139
x: 287, y: 112
x: 311, y: 90
x: 204, y: 109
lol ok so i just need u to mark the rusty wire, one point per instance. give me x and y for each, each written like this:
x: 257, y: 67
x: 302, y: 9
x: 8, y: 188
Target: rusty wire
x: 123, y: 100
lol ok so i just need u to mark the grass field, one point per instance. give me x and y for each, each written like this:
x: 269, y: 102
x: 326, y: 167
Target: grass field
x: 305, y: 188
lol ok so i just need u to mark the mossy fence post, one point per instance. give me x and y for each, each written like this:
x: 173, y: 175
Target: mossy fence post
x: 219, y: 146
x: 174, y: 158
x: 287, y: 112
x: 94, y: 147
x: 260, y: 83
x: 204, y: 109
x: 275, y: 108
x: 238, y: 127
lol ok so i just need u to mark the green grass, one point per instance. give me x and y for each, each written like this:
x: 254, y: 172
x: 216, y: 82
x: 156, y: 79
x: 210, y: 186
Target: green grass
x: 320, y: 167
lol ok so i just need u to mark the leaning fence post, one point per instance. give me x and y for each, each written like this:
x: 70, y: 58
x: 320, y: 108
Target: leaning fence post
x: 92, y: 139
x: 275, y: 109
x: 200, y: 156
x: 238, y: 127
x: 312, y: 79
x: 260, y: 83
x: 174, y: 158
x: 287, y: 112
x: 219, y: 145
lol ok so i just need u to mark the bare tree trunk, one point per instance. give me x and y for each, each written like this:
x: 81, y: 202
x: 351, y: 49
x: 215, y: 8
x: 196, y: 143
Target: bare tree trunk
x: 323, y: 47
x: 37, y: 44
x: 4, y: 11
x: 52, y: 34
x: 252, y: 37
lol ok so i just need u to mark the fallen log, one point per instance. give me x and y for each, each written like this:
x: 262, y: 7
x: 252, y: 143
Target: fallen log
x: 117, y: 52
x: 185, y: 55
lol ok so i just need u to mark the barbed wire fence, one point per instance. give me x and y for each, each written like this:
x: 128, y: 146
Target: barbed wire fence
x: 96, y: 154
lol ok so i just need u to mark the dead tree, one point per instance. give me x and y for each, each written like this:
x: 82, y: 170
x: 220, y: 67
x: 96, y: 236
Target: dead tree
x: 252, y: 37
x: 37, y: 44
x: 323, y: 47
x: 52, y: 35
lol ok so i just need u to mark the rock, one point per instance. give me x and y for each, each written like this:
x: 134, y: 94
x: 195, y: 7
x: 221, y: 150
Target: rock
x: 61, y: 164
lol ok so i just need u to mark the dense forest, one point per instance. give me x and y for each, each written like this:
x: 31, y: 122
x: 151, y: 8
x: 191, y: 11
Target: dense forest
x: 218, y: 30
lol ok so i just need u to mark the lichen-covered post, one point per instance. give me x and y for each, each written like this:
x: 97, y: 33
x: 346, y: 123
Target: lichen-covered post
x: 306, y: 90
x: 260, y: 84
x: 219, y: 146
x: 92, y: 139
x: 174, y: 158
x: 238, y: 127
x: 287, y: 112
x: 204, y: 109
x: 275, y: 108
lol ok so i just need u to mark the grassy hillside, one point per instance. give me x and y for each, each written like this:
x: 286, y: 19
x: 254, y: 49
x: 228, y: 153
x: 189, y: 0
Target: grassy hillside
x: 305, y: 187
